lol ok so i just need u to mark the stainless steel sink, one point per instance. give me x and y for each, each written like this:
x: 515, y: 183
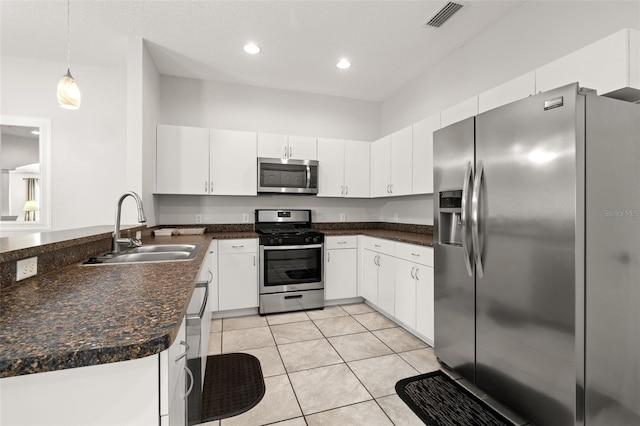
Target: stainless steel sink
x: 161, y: 248
x: 148, y: 254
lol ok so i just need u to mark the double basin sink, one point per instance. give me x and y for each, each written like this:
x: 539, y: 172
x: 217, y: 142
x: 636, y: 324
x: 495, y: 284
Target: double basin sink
x: 148, y: 253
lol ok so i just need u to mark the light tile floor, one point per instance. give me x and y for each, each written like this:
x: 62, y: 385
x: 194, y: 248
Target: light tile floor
x: 336, y: 366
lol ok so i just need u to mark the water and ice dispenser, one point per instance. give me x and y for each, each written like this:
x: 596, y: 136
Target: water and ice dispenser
x: 450, y: 218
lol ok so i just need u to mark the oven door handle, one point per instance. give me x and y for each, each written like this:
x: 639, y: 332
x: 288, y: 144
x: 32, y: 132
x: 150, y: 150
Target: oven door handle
x: 300, y: 247
x: 308, y: 185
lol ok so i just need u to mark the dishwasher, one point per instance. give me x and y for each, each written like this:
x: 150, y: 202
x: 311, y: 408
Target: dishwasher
x: 197, y: 339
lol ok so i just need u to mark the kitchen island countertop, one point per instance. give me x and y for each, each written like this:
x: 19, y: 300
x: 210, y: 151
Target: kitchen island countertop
x: 84, y: 315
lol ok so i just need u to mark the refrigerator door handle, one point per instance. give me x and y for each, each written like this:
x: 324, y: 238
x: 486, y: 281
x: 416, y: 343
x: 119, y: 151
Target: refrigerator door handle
x: 475, y: 220
x: 468, y: 254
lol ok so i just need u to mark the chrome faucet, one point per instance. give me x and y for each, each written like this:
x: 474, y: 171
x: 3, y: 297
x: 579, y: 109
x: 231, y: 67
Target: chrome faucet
x: 117, y: 241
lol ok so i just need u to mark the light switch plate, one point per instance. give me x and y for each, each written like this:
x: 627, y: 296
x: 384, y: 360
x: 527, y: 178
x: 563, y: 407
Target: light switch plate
x: 26, y: 268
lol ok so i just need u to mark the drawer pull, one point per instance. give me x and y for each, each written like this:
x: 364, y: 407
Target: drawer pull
x: 377, y: 245
x: 184, y: 354
x: 297, y: 296
x: 415, y: 254
x: 237, y: 247
x: 342, y: 242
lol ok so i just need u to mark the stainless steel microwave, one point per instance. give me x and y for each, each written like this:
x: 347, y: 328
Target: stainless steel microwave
x: 282, y: 176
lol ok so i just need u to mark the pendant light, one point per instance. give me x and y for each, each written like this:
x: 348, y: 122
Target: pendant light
x: 68, y: 90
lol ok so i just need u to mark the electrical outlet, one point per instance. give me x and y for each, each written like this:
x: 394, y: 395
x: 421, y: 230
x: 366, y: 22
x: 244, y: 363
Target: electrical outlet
x: 26, y: 268
x: 245, y: 217
x: 343, y: 217
x: 198, y: 218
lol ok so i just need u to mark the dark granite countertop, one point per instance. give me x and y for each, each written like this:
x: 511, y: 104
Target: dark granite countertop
x: 79, y: 315
x: 86, y: 315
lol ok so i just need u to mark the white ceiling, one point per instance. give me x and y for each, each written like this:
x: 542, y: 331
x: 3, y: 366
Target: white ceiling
x: 301, y: 40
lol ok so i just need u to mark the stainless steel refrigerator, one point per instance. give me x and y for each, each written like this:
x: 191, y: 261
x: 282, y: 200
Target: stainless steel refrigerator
x: 537, y: 256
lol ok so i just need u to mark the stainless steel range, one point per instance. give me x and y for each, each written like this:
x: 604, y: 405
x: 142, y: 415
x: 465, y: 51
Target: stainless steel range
x: 291, y: 261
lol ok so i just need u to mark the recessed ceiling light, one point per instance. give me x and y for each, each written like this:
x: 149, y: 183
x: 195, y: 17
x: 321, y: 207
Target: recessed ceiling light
x: 343, y: 64
x: 251, y: 48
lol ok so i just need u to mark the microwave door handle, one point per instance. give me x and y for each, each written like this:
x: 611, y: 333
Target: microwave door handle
x: 308, y: 176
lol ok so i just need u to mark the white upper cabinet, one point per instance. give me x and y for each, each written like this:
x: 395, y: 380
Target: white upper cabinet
x: 356, y: 169
x: 343, y: 168
x: 392, y: 164
x: 233, y: 163
x: 330, y: 167
x: 286, y: 147
x: 607, y: 65
x: 423, y: 154
x: 459, y: 112
x: 273, y: 146
x: 511, y: 91
x: 401, y: 162
x: 381, y: 167
x: 302, y: 148
x: 182, y: 162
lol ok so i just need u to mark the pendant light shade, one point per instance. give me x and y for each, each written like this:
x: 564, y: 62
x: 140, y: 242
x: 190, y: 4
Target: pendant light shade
x: 68, y: 92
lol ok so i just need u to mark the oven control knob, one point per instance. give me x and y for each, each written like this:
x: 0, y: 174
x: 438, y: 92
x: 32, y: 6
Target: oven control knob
x: 280, y: 241
x: 271, y: 241
x: 315, y: 239
x: 307, y: 239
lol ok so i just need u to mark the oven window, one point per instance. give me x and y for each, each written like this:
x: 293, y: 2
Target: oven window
x: 279, y: 176
x: 292, y: 266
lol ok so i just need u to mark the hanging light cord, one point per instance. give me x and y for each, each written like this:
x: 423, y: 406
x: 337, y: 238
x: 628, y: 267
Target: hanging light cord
x: 68, y: 34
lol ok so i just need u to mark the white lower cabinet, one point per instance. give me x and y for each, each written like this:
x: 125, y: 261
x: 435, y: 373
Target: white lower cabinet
x: 237, y: 274
x: 379, y: 273
x: 341, y: 267
x: 425, y: 305
x: 405, y: 296
x: 173, y: 381
x: 398, y: 280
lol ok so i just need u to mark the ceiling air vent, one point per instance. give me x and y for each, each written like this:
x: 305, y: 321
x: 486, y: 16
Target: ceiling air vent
x: 445, y: 13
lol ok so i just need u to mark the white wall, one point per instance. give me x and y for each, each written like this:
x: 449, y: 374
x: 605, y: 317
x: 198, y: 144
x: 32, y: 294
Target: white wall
x: 150, y: 113
x: 88, y: 145
x: 534, y: 34
x: 199, y: 103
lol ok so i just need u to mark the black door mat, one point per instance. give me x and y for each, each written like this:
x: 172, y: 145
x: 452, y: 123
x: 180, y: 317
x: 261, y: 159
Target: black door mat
x: 439, y: 401
x: 233, y: 384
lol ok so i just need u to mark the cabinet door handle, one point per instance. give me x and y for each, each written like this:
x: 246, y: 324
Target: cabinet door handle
x: 341, y: 189
x: 211, y: 187
x: 417, y: 276
x: 285, y: 152
x: 346, y: 190
x: 290, y: 152
x: 328, y: 256
x: 412, y: 274
x: 388, y: 191
x: 184, y: 354
x: 206, y: 186
x: 391, y: 188
x: 254, y: 261
x: 190, y: 374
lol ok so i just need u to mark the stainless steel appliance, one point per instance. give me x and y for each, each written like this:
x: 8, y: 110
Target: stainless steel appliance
x: 198, y: 326
x: 284, y: 176
x: 291, y: 261
x: 537, y: 256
